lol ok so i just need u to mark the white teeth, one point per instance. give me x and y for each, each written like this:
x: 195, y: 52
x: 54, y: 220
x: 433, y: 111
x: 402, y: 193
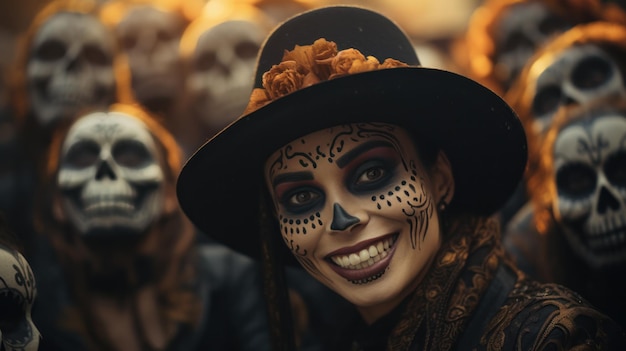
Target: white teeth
x: 373, y: 251
x: 104, y: 207
x: 365, y: 257
x: 354, y: 259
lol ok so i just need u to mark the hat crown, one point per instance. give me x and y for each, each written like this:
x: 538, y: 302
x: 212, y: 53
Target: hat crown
x: 348, y: 26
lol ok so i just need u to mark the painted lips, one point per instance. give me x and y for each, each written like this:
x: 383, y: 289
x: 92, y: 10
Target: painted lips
x: 365, y: 262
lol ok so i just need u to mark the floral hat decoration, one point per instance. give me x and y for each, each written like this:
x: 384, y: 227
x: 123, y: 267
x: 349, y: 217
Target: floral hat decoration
x: 338, y: 65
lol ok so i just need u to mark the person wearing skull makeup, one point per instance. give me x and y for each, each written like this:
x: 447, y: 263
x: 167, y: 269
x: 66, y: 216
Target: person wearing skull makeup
x: 219, y: 50
x: 149, y: 32
x: 117, y: 265
x: 579, y: 66
x: 575, y: 67
x: 18, y: 290
x: 379, y: 177
x: 65, y: 61
x: 576, y: 234
x: 503, y: 34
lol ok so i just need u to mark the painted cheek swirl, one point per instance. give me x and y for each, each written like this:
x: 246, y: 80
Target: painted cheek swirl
x: 410, y: 193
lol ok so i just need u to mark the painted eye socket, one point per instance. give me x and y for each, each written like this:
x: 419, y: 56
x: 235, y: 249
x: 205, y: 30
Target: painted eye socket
x: 301, y: 200
x: 547, y: 100
x: 131, y: 153
x: 615, y: 169
x: 82, y: 154
x: 592, y: 72
x: 51, y: 50
x: 576, y: 180
x: 246, y: 49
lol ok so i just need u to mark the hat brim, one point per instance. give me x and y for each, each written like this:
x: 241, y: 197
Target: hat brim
x: 219, y: 186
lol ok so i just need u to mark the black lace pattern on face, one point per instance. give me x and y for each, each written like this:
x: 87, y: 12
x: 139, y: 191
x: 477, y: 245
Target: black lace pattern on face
x: 381, y: 180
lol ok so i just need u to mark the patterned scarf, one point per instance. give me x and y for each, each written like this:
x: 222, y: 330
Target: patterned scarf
x: 438, y: 311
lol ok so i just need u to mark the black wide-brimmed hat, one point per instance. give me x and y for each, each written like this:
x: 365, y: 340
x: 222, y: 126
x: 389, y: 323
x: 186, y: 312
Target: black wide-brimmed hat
x: 220, y: 185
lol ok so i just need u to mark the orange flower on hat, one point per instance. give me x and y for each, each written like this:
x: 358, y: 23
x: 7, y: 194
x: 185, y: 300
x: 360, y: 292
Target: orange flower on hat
x: 392, y: 63
x: 314, y: 58
x: 306, y: 65
x: 344, y: 60
x: 323, y: 52
x: 284, y: 78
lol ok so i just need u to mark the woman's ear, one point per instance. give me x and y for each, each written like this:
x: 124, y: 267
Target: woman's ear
x: 442, y: 179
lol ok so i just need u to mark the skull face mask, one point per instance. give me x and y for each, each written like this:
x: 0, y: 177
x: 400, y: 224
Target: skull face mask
x: 110, y: 176
x: 70, y: 67
x: 523, y: 28
x: 578, y: 75
x: 17, y: 295
x: 150, y: 37
x: 590, y: 176
x: 223, y: 68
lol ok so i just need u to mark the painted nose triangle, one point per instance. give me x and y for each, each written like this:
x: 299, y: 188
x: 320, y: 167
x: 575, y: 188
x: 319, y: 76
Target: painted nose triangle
x: 341, y: 219
x: 105, y: 170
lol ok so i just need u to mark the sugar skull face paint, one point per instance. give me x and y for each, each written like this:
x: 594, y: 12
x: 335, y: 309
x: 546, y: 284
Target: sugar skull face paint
x: 590, y: 176
x: 70, y: 67
x: 523, y: 28
x: 110, y: 177
x: 578, y: 75
x: 17, y: 296
x: 357, y: 210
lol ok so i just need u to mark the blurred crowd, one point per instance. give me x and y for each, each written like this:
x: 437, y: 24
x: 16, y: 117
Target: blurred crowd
x: 103, y: 101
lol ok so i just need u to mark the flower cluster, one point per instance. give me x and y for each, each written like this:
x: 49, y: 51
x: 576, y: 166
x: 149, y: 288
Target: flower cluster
x: 310, y: 64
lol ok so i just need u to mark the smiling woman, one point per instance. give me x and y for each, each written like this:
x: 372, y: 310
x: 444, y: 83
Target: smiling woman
x: 368, y: 194
x: 379, y: 177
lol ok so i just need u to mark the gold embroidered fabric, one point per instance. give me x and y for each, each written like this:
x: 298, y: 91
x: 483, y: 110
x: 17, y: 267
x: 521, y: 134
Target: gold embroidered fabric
x: 534, y: 316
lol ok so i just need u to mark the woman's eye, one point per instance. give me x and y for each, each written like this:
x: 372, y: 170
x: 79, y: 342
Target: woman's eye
x: 371, y: 175
x: 302, y: 198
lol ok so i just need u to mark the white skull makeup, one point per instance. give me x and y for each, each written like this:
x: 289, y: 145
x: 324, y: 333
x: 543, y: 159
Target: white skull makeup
x: 17, y: 295
x: 523, y: 28
x: 355, y: 207
x: 150, y: 38
x: 70, y: 67
x: 110, y: 175
x: 590, y: 176
x: 223, y: 64
x: 578, y: 75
